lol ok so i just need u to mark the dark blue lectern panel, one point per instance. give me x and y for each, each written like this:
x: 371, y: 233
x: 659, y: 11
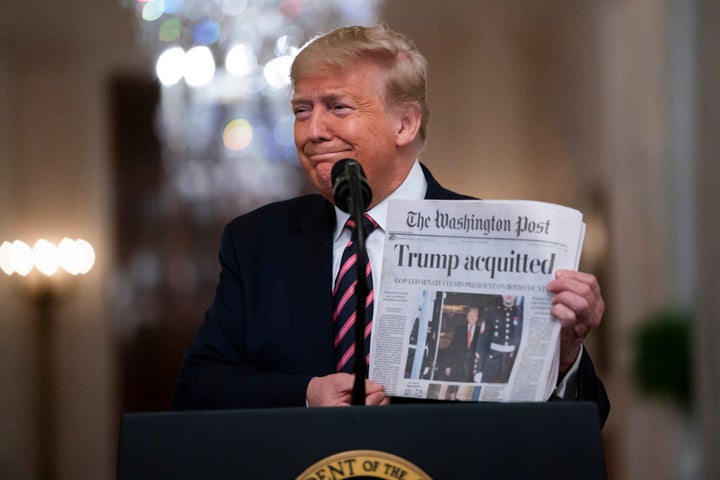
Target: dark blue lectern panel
x: 554, y: 441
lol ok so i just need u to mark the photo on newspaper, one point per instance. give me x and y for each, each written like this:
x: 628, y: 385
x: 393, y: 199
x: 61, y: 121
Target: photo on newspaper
x: 463, y: 311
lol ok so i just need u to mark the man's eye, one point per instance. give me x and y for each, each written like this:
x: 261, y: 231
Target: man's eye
x: 301, y: 112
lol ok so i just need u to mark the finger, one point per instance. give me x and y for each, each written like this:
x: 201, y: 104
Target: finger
x: 569, y: 322
x: 372, y: 387
x: 588, y: 311
x: 566, y: 316
x: 336, y: 389
x: 580, y: 305
x: 581, y: 283
x: 580, y: 276
x: 342, y: 383
x: 375, y: 398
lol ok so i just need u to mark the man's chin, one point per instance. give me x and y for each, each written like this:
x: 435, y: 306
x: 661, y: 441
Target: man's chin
x: 323, y: 176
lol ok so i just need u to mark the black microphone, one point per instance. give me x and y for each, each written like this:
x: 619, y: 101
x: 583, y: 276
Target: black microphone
x: 349, y: 182
x: 351, y: 193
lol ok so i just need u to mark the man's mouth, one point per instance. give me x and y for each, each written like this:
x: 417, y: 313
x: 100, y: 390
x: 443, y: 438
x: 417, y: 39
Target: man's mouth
x: 328, y: 156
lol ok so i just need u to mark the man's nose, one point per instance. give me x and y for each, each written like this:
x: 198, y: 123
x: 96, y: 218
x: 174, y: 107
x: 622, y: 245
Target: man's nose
x: 318, y: 126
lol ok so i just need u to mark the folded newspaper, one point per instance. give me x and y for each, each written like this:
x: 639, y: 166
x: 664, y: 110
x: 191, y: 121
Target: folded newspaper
x: 463, y: 309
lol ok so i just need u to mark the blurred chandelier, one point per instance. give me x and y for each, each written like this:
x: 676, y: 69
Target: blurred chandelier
x: 224, y: 119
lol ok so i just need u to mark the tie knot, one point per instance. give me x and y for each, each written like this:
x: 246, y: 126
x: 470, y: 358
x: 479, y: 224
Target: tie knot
x: 369, y: 225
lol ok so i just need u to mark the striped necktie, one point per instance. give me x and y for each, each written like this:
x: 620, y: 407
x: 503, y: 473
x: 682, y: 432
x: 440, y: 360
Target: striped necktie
x: 345, y: 302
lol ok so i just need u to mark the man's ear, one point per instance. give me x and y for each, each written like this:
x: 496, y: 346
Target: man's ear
x: 409, y: 125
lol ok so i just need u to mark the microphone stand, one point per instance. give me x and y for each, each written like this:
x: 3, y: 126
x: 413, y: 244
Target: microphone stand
x: 361, y: 293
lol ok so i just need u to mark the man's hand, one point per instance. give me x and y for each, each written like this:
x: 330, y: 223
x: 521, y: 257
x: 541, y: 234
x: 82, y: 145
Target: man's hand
x: 335, y: 390
x: 578, y: 305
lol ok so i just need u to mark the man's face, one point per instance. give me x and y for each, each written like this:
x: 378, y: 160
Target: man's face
x: 472, y: 316
x: 343, y: 115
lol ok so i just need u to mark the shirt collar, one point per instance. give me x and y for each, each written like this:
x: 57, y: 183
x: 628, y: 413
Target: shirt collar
x: 413, y: 187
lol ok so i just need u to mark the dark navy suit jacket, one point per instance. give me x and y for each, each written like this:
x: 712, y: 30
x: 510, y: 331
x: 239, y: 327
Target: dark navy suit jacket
x: 269, y: 328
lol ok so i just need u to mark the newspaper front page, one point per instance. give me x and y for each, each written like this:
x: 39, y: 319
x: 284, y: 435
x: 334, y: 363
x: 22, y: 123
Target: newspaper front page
x: 463, y: 309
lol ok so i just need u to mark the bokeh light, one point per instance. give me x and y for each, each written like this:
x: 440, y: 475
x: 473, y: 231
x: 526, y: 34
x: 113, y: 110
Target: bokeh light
x: 199, y: 66
x: 170, y: 66
x: 240, y: 60
x: 285, y: 45
x: 170, y: 30
x: 237, y: 134
x: 153, y: 10
x: 173, y: 6
x: 234, y: 8
x: 87, y: 258
x: 206, y: 33
x: 45, y: 257
x: 73, y: 256
x: 21, y: 258
x: 5, y: 264
x: 76, y: 256
x: 277, y: 71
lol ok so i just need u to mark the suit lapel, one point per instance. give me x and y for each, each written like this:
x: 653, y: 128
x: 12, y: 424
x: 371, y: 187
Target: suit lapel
x: 435, y: 191
x: 309, y: 286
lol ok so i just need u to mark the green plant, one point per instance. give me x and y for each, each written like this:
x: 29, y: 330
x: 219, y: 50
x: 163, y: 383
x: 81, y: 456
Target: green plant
x: 662, y: 364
